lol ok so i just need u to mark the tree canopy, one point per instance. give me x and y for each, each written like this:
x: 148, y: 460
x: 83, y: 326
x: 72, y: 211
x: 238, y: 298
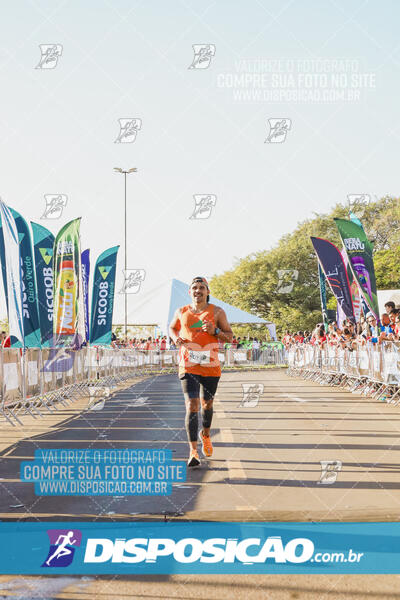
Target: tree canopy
x: 255, y: 284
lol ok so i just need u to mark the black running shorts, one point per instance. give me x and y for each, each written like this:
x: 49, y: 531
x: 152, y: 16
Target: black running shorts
x: 199, y: 386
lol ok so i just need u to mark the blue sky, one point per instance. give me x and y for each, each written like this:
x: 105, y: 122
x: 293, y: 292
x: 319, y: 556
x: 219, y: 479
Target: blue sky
x: 125, y: 59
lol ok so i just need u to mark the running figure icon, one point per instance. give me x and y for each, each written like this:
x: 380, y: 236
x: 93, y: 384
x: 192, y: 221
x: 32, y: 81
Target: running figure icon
x: 62, y: 549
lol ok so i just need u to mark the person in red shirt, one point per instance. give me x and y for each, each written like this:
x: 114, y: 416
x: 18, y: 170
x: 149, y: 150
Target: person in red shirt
x: 320, y: 335
x: 163, y: 343
x: 7, y: 342
x: 149, y: 344
x: 287, y: 338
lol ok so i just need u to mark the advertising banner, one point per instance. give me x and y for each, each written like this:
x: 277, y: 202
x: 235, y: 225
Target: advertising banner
x: 335, y: 271
x: 354, y: 288
x: 68, y: 324
x: 85, y: 260
x: 322, y: 293
x: 43, y: 244
x: 359, y: 252
x: 103, y: 297
x: 12, y: 275
x: 30, y: 314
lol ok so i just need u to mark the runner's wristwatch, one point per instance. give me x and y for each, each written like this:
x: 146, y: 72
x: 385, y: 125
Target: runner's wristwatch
x: 217, y: 330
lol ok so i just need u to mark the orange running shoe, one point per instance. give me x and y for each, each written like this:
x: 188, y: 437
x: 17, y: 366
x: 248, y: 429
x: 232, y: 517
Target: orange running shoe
x: 207, y: 447
x: 194, y: 460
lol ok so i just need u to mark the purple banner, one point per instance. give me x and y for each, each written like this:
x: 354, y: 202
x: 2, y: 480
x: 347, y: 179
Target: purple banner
x: 331, y: 261
x: 85, y: 260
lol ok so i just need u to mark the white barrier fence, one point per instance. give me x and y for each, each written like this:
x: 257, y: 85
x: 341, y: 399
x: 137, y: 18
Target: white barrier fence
x: 39, y: 379
x: 371, y: 369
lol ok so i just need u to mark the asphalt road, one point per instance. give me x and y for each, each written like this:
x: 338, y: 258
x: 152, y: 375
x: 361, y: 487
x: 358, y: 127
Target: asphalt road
x: 267, y: 454
x: 203, y: 587
x: 266, y: 466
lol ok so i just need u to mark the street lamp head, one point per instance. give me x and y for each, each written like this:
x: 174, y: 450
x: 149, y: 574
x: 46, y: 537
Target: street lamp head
x: 133, y: 170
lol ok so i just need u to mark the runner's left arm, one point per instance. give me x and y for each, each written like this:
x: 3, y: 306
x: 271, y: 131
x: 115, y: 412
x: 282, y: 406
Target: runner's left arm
x: 226, y: 333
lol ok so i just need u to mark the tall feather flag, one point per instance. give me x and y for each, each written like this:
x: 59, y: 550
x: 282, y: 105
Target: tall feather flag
x: 359, y: 253
x: 103, y: 297
x: 43, y: 243
x: 322, y: 293
x: 69, y: 319
x: 30, y: 314
x: 12, y: 275
x: 332, y: 264
x: 85, y: 260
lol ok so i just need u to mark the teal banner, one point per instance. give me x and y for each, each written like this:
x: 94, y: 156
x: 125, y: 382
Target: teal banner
x: 103, y: 297
x: 12, y: 274
x: 30, y: 313
x: 43, y: 243
x: 131, y: 548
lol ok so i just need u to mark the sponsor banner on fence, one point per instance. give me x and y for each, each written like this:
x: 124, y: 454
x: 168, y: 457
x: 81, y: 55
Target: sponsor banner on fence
x: 359, y: 251
x: 43, y: 243
x: 103, y: 297
x: 12, y: 275
x: 335, y: 271
x: 85, y: 260
x: 68, y: 297
x: 215, y: 548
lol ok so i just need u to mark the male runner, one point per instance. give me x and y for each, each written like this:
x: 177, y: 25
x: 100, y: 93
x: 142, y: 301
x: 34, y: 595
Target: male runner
x: 196, y: 329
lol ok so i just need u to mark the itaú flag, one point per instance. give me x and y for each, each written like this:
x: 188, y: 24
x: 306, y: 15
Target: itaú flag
x: 11, y: 259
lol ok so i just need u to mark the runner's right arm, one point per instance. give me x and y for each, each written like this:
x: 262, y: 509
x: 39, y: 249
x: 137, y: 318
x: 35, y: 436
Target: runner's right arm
x: 175, y: 327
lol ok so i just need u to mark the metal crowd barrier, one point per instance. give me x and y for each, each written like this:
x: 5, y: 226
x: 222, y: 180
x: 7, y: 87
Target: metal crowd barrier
x: 37, y: 380
x: 372, y: 369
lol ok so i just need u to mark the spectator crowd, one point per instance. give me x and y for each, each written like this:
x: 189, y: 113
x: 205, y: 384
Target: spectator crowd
x: 351, y: 335
x: 162, y: 343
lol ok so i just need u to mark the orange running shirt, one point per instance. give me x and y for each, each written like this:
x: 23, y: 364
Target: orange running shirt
x: 200, y: 354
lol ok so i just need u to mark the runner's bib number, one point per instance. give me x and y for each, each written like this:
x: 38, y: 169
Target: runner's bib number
x: 200, y: 357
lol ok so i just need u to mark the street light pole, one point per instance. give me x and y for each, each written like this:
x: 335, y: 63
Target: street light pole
x: 125, y: 267
x: 125, y: 173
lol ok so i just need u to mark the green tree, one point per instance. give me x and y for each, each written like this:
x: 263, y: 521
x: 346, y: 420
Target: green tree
x: 4, y: 325
x: 252, y: 284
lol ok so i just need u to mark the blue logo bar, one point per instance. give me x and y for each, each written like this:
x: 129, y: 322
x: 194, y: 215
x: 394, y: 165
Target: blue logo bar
x: 172, y: 547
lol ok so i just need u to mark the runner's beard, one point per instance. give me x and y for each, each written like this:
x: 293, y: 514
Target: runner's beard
x: 199, y: 299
